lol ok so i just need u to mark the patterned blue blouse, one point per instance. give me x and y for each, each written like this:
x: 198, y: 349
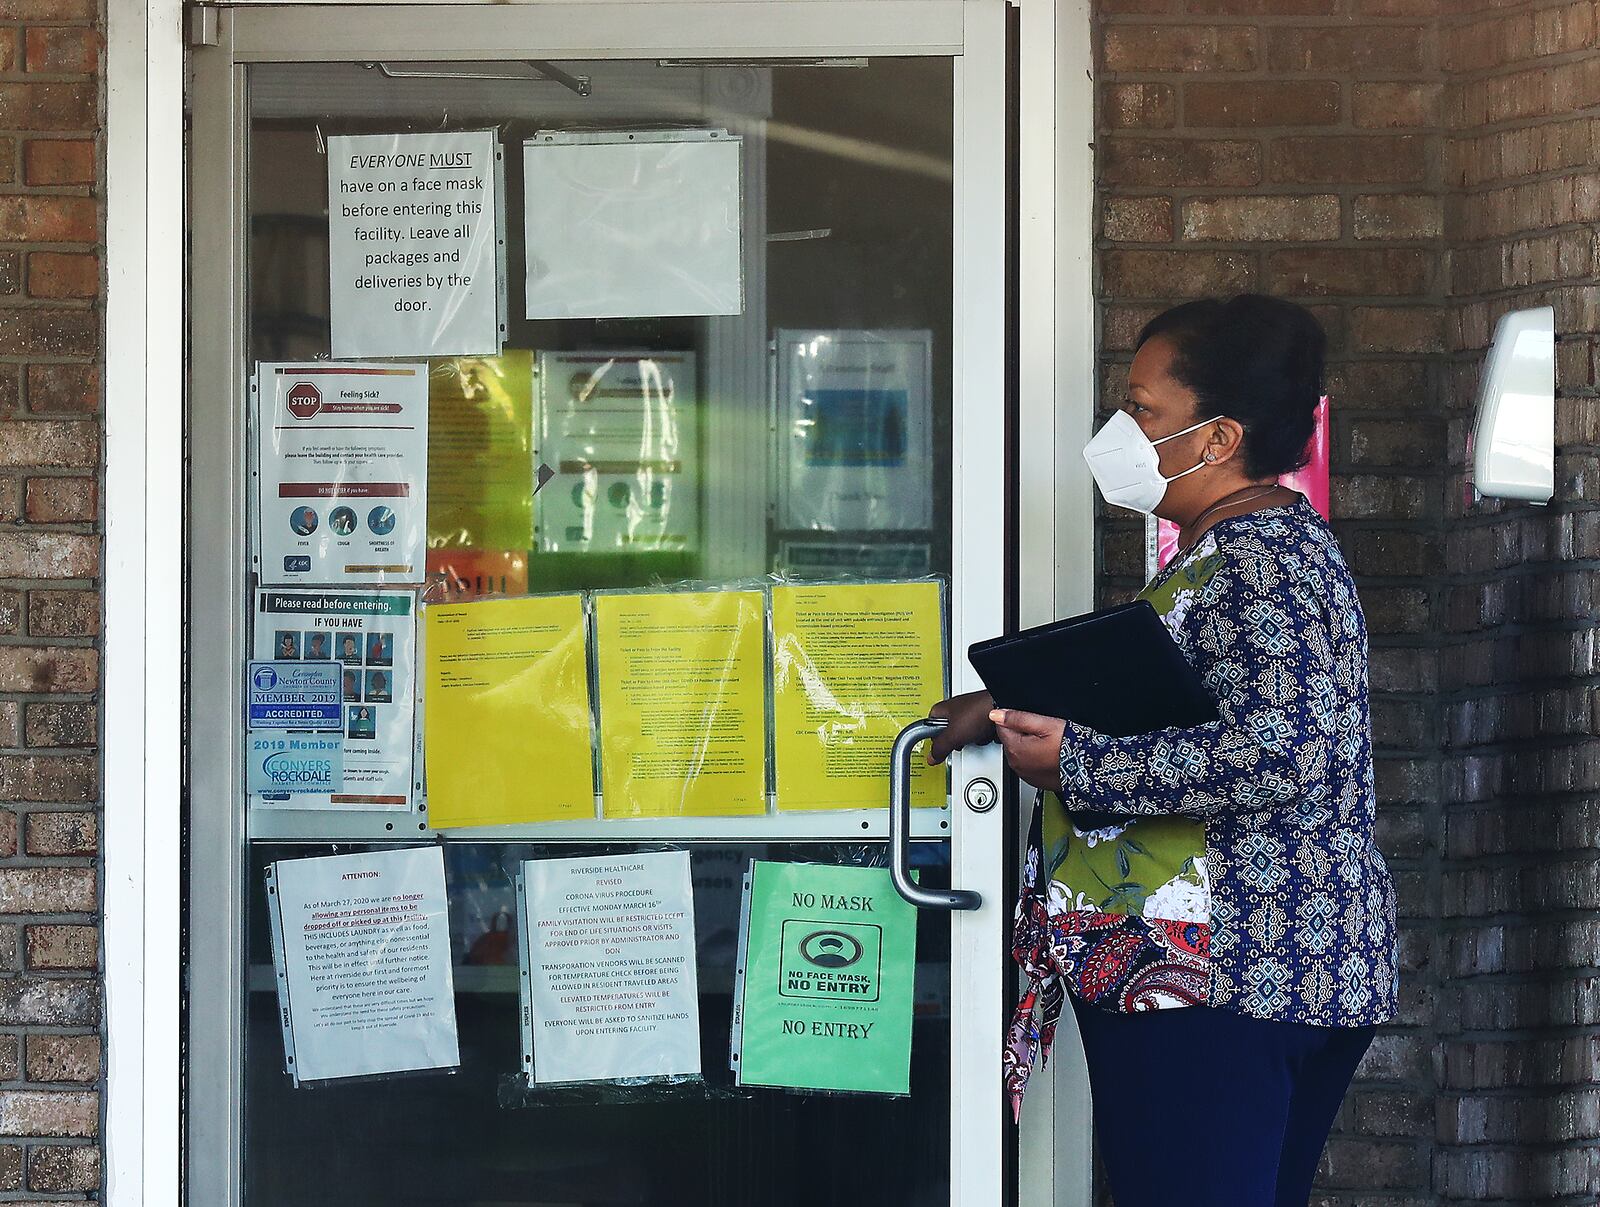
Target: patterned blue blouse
x: 1302, y: 913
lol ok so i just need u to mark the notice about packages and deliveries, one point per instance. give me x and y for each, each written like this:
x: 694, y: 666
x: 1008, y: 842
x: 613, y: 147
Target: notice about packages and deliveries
x: 361, y: 948
x: 609, y: 952
x: 414, y: 244
x: 342, y: 466
x: 829, y: 961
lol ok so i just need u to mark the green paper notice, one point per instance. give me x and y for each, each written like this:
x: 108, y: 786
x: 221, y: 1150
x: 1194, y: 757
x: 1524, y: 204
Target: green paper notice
x: 829, y: 957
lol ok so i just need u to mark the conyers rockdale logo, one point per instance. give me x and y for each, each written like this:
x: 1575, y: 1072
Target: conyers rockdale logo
x: 830, y: 949
x: 304, y: 400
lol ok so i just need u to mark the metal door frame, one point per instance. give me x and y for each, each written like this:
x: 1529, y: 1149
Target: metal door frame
x: 970, y: 30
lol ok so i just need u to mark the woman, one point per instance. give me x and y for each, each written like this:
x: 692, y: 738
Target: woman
x: 1211, y: 898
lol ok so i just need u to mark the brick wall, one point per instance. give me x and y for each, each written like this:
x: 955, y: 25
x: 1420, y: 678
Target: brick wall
x: 50, y: 458
x: 1295, y: 147
x: 1519, y: 1013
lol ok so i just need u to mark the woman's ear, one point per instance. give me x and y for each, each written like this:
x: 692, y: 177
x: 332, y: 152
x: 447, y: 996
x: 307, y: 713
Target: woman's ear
x: 1224, y: 440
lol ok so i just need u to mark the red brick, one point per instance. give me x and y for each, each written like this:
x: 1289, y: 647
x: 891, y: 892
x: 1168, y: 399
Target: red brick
x: 1397, y: 8
x: 10, y: 725
x: 63, y: 613
x: 63, y: 275
x: 1329, y: 271
x: 1133, y: 7
x: 1398, y: 216
x: 39, y: 332
x: 1149, y: 106
x: 63, y: 50
x: 29, y: 106
x: 29, y: 668
x: 1270, y: 103
x: 64, y: 1169
x: 1161, y: 274
x: 1398, y: 329
x: 61, y: 501
x: 1350, y: 159
x: 1345, y: 49
x: 1262, y: 218
x: 1138, y: 219
x: 51, y: 890
x: 63, y: 388
x: 49, y: 219
x: 62, y: 947
x: 49, y: 1113
x: 49, y: 555
x: 10, y: 272
x: 8, y: 49
x: 49, y: 1002
x: 58, y: 161
x: 8, y: 834
x: 58, y: 11
x: 49, y: 779
x: 56, y: 724
x: 1265, y: 8
x: 1179, y: 48
x: 56, y: 443
x: 1158, y: 162
x: 1390, y: 106
x: 62, y: 833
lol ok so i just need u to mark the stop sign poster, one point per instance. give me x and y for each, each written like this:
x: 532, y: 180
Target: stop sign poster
x: 341, y: 461
x: 414, y: 244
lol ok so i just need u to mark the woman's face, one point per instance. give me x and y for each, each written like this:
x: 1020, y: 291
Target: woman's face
x: 1161, y: 405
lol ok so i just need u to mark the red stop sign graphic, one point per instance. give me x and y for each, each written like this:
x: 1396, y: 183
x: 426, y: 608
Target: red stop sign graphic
x: 304, y: 400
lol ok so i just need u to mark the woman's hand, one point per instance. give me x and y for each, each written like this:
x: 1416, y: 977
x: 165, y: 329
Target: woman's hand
x: 969, y: 724
x: 1032, y: 744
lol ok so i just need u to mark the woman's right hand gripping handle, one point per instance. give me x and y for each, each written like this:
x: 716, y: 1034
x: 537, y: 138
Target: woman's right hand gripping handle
x: 969, y: 724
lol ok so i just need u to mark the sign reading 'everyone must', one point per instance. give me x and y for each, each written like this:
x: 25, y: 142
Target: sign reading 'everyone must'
x: 414, y: 244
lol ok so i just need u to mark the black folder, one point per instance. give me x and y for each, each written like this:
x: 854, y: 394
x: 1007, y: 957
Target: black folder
x: 1118, y: 671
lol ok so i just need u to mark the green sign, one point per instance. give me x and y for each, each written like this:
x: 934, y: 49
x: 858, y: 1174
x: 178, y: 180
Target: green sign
x: 828, y: 958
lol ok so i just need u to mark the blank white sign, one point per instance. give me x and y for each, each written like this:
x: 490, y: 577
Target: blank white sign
x: 641, y: 224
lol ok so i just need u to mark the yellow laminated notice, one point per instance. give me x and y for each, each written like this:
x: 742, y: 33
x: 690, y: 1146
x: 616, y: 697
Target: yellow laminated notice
x: 852, y: 666
x: 506, y: 702
x: 682, y: 704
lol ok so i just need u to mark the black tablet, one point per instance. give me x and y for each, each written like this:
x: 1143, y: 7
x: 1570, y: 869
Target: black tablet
x: 1118, y: 671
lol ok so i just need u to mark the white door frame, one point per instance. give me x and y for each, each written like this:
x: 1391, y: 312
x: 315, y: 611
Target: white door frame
x: 145, y: 548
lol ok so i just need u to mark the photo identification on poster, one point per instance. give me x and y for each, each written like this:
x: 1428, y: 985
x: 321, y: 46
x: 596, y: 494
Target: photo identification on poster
x: 826, y: 994
x: 342, y: 469
x: 361, y: 956
x: 855, y: 430
x: 371, y: 635
x: 415, y: 249
x: 608, y: 949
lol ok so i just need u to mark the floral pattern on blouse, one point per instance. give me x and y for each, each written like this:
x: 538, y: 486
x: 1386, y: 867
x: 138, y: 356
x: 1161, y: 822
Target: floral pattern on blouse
x: 1279, y: 790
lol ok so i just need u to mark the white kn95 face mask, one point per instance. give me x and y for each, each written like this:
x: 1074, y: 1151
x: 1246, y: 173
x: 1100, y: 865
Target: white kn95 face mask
x: 1126, y: 466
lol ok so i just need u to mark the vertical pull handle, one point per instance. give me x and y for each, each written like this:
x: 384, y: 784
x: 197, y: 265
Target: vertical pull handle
x: 900, y: 827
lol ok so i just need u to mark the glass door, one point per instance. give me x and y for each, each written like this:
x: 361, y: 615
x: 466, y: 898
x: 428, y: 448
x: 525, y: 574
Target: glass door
x: 726, y: 315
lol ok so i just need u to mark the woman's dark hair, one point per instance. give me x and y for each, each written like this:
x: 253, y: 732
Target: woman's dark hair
x: 1254, y: 359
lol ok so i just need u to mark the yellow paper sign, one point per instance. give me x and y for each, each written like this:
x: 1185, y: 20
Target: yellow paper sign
x: 682, y: 704
x: 851, y: 667
x: 507, y: 712
x: 480, y: 460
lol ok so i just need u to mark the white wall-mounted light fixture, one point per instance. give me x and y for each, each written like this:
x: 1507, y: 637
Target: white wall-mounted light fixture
x: 1513, y: 448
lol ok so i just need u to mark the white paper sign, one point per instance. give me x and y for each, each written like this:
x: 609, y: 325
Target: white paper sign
x: 373, y: 637
x: 414, y: 244
x: 855, y: 430
x: 632, y: 224
x: 621, y: 430
x: 361, y: 945
x: 342, y: 460
x: 610, y: 952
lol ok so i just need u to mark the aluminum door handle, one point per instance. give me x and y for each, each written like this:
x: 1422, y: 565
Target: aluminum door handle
x: 900, y: 827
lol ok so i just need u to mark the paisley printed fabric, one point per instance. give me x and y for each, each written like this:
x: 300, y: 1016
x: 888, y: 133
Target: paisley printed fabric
x: 1243, y: 872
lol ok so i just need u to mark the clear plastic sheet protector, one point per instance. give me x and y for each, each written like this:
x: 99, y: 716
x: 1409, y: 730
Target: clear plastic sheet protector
x: 361, y: 961
x: 852, y: 665
x: 621, y: 431
x: 854, y: 420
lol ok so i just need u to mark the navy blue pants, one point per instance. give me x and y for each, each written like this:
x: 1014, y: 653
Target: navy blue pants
x: 1208, y: 1108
